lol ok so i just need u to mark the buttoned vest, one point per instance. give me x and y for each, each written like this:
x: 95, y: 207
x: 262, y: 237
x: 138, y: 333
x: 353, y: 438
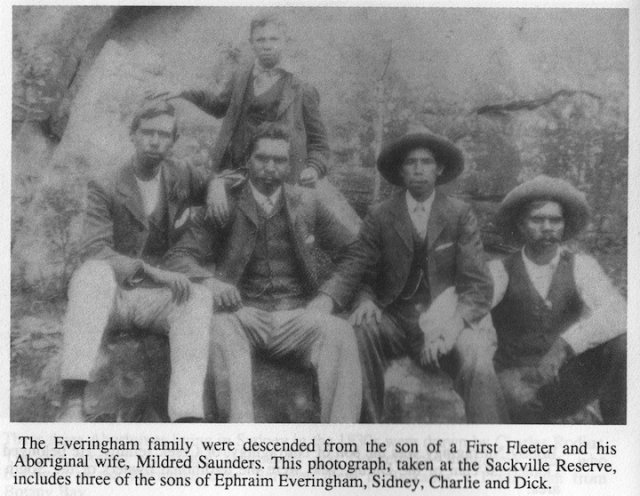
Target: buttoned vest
x: 526, y: 324
x: 273, y: 269
x: 417, y: 286
x: 257, y: 109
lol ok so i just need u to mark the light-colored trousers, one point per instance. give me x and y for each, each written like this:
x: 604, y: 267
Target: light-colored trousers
x: 98, y: 305
x: 323, y: 342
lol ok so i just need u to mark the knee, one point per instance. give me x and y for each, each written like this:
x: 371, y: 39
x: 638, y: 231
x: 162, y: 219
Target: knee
x: 474, y: 350
x: 227, y: 332
x: 201, y: 298
x: 93, y: 278
x: 338, y: 333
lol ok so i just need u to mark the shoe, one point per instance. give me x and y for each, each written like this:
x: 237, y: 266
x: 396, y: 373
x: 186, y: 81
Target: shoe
x: 72, y: 411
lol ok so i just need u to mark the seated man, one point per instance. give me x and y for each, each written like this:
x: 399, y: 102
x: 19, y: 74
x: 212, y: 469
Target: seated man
x: 412, y: 249
x: 560, y: 322
x: 133, y: 216
x: 266, y: 272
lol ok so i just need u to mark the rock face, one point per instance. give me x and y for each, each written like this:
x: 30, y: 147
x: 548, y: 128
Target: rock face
x: 131, y: 386
x: 521, y: 91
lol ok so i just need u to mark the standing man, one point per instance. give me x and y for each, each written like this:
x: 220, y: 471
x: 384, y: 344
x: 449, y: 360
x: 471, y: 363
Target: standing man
x: 133, y: 216
x: 266, y: 274
x: 263, y: 92
x: 561, y: 324
x: 427, y: 286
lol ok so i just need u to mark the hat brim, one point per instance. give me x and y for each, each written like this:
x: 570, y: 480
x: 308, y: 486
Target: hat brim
x: 574, y: 205
x: 444, y: 151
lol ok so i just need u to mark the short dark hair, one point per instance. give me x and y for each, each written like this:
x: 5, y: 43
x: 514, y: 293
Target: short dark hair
x: 266, y: 131
x: 151, y: 109
x: 261, y: 20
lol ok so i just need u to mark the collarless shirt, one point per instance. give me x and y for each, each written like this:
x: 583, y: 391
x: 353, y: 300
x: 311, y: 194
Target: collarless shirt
x: 266, y: 203
x: 605, y: 314
x: 150, y: 193
x: 541, y: 275
x: 419, y: 212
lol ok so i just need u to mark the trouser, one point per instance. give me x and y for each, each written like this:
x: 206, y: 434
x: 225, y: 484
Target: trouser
x: 470, y: 364
x: 97, y: 305
x: 321, y: 342
x: 599, y: 373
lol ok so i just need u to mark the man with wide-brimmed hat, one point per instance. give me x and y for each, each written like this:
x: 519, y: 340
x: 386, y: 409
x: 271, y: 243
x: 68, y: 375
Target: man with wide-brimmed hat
x: 421, y: 281
x: 560, y: 322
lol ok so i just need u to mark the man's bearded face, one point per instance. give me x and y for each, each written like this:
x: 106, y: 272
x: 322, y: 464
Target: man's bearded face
x: 543, y: 225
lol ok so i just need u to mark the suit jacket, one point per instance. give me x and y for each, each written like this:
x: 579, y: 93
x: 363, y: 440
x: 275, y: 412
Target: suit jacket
x: 207, y: 250
x: 115, y: 226
x: 385, y: 251
x: 298, y: 112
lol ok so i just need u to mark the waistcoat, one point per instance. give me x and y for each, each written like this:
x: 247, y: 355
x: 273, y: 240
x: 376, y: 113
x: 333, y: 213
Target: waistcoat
x: 526, y: 324
x: 273, y: 270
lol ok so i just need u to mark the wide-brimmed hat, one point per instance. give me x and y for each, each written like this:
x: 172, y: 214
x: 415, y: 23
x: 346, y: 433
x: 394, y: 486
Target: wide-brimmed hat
x: 444, y: 151
x: 574, y: 204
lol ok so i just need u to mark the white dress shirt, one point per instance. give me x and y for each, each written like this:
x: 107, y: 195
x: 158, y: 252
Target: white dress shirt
x: 264, y: 79
x: 266, y: 203
x: 419, y: 213
x: 605, y: 311
x: 150, y: 192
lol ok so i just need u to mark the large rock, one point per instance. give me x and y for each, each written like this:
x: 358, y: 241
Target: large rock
x: 131, y: 386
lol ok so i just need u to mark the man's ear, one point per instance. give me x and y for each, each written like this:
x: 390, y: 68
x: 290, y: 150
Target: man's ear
x: 439, y: 170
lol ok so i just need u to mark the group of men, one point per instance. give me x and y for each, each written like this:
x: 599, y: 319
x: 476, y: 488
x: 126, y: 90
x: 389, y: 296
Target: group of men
x: 244, y: 275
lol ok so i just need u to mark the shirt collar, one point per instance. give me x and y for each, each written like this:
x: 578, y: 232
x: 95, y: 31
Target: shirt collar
x: 283, y: 65
x: 262, y: 199
x: 412, y: 203
x: 552, y: 264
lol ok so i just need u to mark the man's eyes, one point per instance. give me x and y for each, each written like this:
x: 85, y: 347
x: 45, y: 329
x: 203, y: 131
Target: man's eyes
x: 267, y: 158
x: 550, y: 219
x: 161, y: 134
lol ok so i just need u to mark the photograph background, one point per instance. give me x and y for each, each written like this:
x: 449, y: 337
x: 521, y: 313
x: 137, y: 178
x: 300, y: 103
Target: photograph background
x: 521, y: 91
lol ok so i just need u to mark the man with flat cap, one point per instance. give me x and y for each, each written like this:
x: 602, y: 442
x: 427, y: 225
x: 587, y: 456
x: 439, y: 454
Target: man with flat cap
x: 561, y: 324
x: 421, y: 280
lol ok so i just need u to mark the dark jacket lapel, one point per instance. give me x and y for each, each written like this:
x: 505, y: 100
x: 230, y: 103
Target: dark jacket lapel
x: 288, y: 94
x: 437, y: 219
x: 169, y: 182
x: 130, y: 194
x: 247, y: 204
x: 401, y: 221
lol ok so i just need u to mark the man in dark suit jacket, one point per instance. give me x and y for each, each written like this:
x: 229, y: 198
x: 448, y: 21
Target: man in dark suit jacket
x: 426, y: 283
x: 261, y: 92
x: 132, y: 218
x: 264, y: 277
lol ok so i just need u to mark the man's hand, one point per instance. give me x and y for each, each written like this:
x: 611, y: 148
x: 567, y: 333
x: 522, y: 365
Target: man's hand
x: 321, y: 303
x: 553, y: 360
x: 309, y: 177
x: 225, y: 296
x: 367, y: 315
x: 179, y: 284
x: 430, y: 353
x: 439, y: 340
x: 217, y: 205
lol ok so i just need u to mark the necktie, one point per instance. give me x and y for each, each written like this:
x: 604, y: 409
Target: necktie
x: 267, y: 206
x: 420, y: 216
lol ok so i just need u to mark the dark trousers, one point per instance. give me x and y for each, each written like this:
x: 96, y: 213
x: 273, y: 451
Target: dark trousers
x: 470, y: 364
x: 599, y: 373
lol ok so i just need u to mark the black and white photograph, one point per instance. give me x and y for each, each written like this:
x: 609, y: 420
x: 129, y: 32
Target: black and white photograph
x: 321, y: 215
